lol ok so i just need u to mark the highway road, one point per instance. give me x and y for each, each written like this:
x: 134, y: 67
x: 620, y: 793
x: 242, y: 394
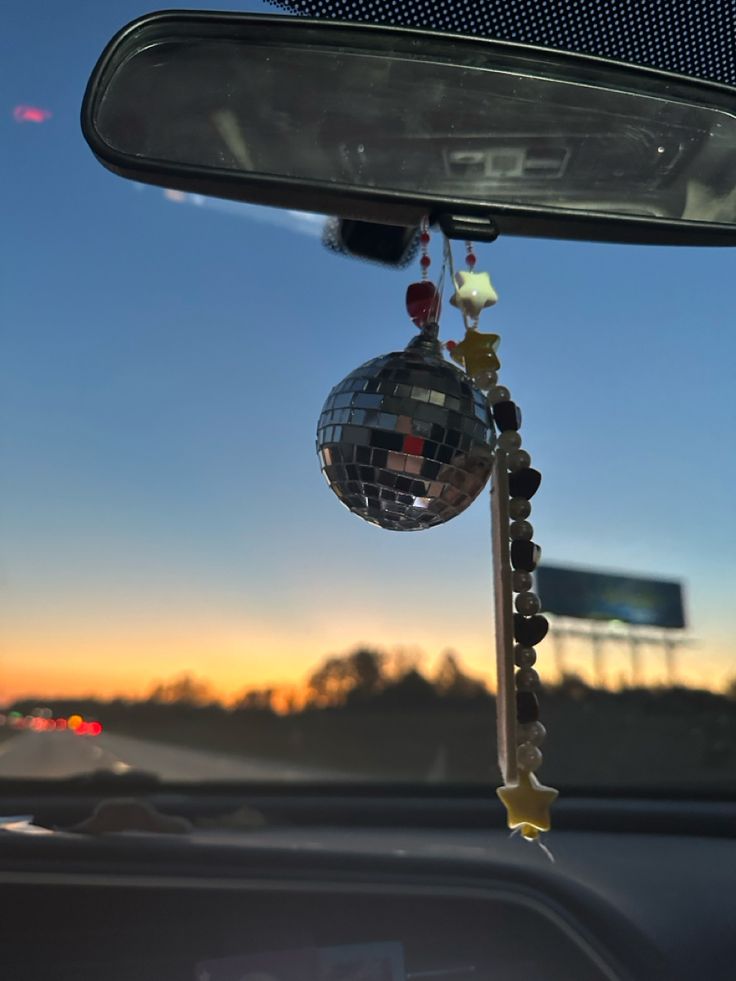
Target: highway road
x: 64, y: 754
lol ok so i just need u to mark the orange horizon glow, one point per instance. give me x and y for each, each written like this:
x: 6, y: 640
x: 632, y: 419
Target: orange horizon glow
x: 84, y: 661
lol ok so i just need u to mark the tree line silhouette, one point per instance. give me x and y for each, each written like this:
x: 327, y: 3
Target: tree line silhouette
x: 363, y: 677
x: 373, y: 715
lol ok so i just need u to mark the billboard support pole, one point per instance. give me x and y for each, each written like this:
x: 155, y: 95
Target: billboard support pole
x: 558, y: 640
x: 636, y: 639
x: 636, y: 677
x: 599, y: 670
x: 670, y: 660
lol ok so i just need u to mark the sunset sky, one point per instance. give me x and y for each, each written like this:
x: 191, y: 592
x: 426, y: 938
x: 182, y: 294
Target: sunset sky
x: 162, y: 367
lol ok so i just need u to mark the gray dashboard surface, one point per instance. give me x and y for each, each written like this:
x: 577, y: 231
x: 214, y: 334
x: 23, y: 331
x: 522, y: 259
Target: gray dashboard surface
x: 672, y: 895
x: 679, y: 891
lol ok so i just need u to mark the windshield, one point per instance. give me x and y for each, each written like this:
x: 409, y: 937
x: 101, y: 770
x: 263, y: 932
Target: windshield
x: 180, y: 592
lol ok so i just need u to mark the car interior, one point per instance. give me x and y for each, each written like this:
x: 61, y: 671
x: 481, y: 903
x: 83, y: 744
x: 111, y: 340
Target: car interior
x: 395, y: 122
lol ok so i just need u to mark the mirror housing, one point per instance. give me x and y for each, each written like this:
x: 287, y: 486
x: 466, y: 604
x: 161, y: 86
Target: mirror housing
x: 387, y: 125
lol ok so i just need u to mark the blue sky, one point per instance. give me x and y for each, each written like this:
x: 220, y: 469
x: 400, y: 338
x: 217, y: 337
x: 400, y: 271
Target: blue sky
x: 162, y: 368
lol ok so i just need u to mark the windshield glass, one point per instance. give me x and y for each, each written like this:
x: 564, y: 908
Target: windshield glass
x: 180, y: 592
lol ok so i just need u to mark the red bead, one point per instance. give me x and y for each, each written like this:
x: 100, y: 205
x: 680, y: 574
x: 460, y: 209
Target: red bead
x: 425, y: 262
x: 424, y: 238
x: 451, y: 345
x: 422, y: 302
x: 470, y: 259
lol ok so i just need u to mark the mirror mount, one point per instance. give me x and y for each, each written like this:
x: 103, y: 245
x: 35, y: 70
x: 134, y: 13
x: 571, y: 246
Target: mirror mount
x: 476, y: 228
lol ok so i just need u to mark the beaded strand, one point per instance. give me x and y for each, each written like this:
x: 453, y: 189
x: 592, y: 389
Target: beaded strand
x: 526, y: 800
x: 529, y: 627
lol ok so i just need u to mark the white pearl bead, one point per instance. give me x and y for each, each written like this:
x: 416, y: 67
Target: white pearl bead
x: 519, y: 508
x: 518, y: 460
x: 531, y: 732
x: 485, y: 379
x: 520, y: 531
x: 509, y: 440
x: 528, y: 757
x: 524, y: 657
x: 499, y: 393
x: 521, y: 581
x: 528, y: 604
x: 526, y: 678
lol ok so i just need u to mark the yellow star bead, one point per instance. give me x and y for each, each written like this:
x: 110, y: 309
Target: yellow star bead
x: 527, y: 804
x: 477, y: 352
x: 473, y: 292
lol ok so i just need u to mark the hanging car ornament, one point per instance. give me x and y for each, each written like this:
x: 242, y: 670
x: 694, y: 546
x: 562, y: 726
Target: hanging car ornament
x: 407, y: 441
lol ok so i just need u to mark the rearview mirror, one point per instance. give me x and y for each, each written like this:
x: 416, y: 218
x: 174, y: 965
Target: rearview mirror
x: 387, y: 125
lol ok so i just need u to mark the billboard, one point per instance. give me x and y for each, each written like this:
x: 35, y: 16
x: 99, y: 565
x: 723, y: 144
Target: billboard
x: 606, y: 596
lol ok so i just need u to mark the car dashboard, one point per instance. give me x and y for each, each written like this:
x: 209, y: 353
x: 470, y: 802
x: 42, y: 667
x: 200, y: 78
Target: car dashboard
x: 365, y: 903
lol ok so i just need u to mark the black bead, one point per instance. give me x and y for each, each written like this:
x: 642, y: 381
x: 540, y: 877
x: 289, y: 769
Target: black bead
x: 527, y: 707
x: 507, y: 415
x: 530, y: 630
x: 525, y: 556
x: 524, y: 483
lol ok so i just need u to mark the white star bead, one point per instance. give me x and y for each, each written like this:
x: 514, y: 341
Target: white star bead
x: 473, y: 293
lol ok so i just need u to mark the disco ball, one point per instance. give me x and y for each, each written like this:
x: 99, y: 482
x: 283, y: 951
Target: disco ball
x: 406, y: 440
